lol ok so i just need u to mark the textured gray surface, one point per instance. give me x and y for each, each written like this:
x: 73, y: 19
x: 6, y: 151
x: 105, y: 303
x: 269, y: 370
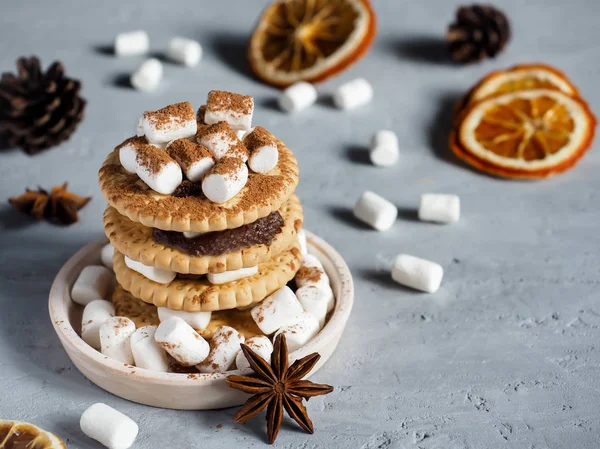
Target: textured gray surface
x: 505, y: 355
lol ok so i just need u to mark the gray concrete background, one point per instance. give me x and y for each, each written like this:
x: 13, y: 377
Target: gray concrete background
x: 505, y: 355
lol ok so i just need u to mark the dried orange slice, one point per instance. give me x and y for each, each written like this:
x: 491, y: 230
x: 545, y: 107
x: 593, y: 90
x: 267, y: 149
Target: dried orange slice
x: 20, y: 435
x: 520, y: 77
x: 310, y: 40
x: 524, y: 134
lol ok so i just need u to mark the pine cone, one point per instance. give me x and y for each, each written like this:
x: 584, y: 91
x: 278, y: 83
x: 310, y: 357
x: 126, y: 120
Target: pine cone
x: 479, y: 32
x: 38, y: 110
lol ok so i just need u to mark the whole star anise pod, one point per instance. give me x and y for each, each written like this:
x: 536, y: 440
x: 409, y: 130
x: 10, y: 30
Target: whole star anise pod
x: 58, y: 206
x: 38, y: 109
x: 277, y: 387
x: 479, y: 32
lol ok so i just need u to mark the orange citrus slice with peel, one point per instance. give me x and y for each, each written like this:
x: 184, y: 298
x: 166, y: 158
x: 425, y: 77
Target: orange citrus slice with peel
x: 524, y: 134
x: 519, y: 77
x: 310, y: 40
x: 20, y: 435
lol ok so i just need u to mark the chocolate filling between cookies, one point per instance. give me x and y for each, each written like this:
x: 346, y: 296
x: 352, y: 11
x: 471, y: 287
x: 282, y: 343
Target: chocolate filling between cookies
x: 260, y: 232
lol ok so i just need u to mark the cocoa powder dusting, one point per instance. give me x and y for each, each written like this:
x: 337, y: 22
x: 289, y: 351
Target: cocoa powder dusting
x: 175, y: 113
x: 227, y: 166
x: 311, y: 274
x: 152, y: 158
x: 219, y: 101
x: 186, y: 152
x: 258, y: 138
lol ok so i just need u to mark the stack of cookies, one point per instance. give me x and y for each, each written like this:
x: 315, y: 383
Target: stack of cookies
x: 205, y: 226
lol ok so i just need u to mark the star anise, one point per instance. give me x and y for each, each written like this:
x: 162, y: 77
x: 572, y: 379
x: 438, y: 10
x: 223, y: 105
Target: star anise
x: 277, y: 387
x: 58, y: 206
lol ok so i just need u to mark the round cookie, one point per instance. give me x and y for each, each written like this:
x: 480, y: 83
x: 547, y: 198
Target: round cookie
x: 136, y: 242
x: 143, y: 314
x: 199, y: 295
x: 263, y: 194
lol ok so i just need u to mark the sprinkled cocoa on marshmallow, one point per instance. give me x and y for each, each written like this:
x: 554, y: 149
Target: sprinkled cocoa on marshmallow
x: 225, y: 180
x: 175, y: 121
x: 200, y: 114
x: 194, y: 159
x: 128, y: 152
x: 159, y: 171
x: 262, y: 146
x: 235, y: 109
x: 222, y: 141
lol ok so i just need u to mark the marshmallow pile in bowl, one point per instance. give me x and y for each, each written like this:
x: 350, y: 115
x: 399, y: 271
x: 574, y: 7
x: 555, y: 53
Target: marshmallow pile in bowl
x: 218, y: 153
x: 299, y: 315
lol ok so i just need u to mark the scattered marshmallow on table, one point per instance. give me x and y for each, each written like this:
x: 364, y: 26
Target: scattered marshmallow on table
x: 194, y: 159
x: 262, y: 146
x: 106, y: 256
x: 132, y: 43
x: 224, y: 348
x: 94, y: 282
x: 299, y: 332
x: 276, y: 310
x: 316, y: 300
x: 375, y: 211
x: 225, y: 180
x: 181, y: 341
x: 94, y: 316
x: 417, y: 273
x: 235, y: 109
x: 198, y: 320
x: 384, y: 148
x: 184, y: 51
x: 149, y: 272
x: 297, y: 97
x: 311, y: 272
x: 439, y: 208
x: 231, y: 276
x: 353, y: 94
x: 222, y: 141
x: 114, y: 339
x: 303, y: 242
x: 108, y: 426
x: 176, y: 121
x: 259, y: 344
x: 147, y: 353
x: 147, y: 77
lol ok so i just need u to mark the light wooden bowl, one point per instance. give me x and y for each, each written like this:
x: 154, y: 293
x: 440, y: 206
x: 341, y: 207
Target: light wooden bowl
x: 171, y: 390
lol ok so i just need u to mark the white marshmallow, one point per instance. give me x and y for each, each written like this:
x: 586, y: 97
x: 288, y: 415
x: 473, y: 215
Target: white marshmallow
x: 191, y: 235
x: 184, y: 51
x: 176, y: 121
x: 94, y: 282
x: 303, y: 242
x: 222, y: 141
x: 353, y: 94
x: 152, y: 273
x: 376, y: 211
x: 231, y: 276
x: 108, y: 426
x: 417, y: 273
x: 225, y: 180
x: 194, y: 159
x: 139, y: 130
x: 311, y: 272
x: 300, y: 331
x: 165, y: 181
x: 224, y: 348
x: 439, y: 208
x: 128, y: 151
x: 182, y: 342
x: 235, y: 109
x: 263, y: 150
x: 297, y: 97
x: 384, y: 148
x: 147, y: 353
x: 279, y: 309
x: 132, y: 43
x: 198, y: 320
x: 261, y: 345
x: 147, y: 77
x: 106, y: 256
x: 94, y: 316
x: 114, y: 339
x: 316, y: 300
